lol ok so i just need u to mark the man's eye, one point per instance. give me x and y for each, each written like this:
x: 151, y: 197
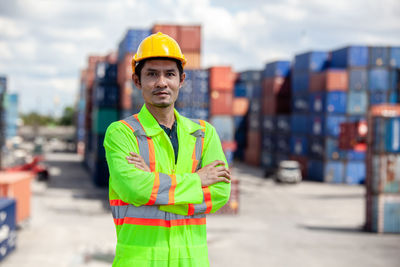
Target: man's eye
x: 170, y: 74
x: 151, y: 74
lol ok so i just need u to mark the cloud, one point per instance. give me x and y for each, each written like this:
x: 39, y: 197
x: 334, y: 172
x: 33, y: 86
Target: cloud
x: 45, y: 43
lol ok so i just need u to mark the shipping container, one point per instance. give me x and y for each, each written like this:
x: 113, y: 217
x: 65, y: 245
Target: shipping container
x: 189, y: 38
x: 277, y: 69
x: 106, y: 95
x: 332, y: 124
x: 283, y: 124
x: 221, y: 78
x: 328, y: 102
x: 332, y: 150
x: 171, y: 30
x: 394, y: 57
x: 357, y: 102
x: 378, y: 56
x: 273, y: 86
x: 358, y: 79
x: 303, y: 161
x: 8, y: 227
x: 282, y: 143
x: 102, y: 118
x: 311, y: 61
x: 124, y: 69
x: 240, y: 90
x: 299, y: 123
x: 384, y: 213
x: 385, y: 176
x: 329, y: 80
x: 193, y: 60
x: 300, y: 81
x: 316, y: 125
x: 221, y: 103
x: 224, y: 125
x: 299, y: 145
x: 269, y: 124
x: 351, y: 56
x: 386, y: 135
x: 326, y: 171
x: 394, y: 83
x: 300, y: 102
x: 131, y: 41
x: 17, y: 185
x: 268, y: 141
x: 229, y: 148
x: 378, y: 79
x: 355, y: 172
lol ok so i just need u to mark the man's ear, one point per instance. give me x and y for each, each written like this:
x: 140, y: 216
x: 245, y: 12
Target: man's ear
x: 183, y: 76
x: 136, y: 81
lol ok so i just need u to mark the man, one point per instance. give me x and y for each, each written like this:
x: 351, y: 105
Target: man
x: 166, y: 171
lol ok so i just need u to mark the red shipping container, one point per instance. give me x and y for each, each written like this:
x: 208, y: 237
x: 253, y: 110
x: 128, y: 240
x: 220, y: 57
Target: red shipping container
x: 269, y: 105
x: 221, y: 103
x: 171, y: 30
x: 330, y: 80
x: 221, y: 78
x: 189, y: 38
x: 252, y: 156
x: 240, y: 106
x: 229, y: 145
x: 272, y: 86
x: 17, y: 185
x: 126, y: 95
x: 253, y: 140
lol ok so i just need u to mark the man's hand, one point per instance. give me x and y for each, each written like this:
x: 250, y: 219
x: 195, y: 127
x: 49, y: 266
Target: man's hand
x: 212, y: 173
x: 138, y: 161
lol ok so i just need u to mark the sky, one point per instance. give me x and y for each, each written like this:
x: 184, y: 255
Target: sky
x: 45, y: 43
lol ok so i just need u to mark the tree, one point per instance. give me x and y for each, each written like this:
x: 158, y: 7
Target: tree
x: 67, y: 117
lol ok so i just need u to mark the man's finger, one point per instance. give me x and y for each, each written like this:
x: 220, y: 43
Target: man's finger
x: 216, y: 163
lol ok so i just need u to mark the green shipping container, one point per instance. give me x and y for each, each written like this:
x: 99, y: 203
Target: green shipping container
x: 102, y: 118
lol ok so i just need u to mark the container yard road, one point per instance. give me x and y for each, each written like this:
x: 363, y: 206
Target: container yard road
x: 309, y: 224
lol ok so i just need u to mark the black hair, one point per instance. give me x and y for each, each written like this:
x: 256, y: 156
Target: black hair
x: 140, y: 65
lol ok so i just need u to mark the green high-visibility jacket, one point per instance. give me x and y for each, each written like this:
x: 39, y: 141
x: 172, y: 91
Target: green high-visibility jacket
x: 160, y: 215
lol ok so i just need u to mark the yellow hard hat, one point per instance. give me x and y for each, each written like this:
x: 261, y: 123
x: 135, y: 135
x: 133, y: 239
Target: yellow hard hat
x: 158, y: 45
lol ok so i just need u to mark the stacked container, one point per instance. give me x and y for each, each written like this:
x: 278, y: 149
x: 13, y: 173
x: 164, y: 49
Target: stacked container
x: 276, y: 99
x: 240, y: 108
x: 305, y: 66
x: 130, y: 97
x: 11, y: 111
x: 80, y: 115
x: 221, y: 84
x: 189, y: 40
x: 251, y: 82
x: 383, y: 169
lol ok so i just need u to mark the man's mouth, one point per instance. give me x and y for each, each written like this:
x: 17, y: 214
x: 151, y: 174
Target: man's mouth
x: 160, y: 93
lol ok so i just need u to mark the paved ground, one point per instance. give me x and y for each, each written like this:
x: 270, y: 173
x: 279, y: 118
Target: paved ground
x: 309, y: 224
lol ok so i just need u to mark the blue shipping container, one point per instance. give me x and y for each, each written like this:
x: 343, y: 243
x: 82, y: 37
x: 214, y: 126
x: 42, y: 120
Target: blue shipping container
x: 311, y: 61
x: 317, y: 102
x: 300, y: 103
x: 355, y: 155
x: 283, y: 124
x: 394, y: 59
x: 277, y: 68
x: 351, y: 56
x: 300, y: 81
x: 317, y: 147
x: 7, y: 226
x: 299, y: 145
x: 335, y: 102
x: 299, y: 124
x: 268, y: 124
x: 106, y: 95
x: 282, y: 143
x: 332, y: 150
x: 316, y: 123
x: 224, y: 126
x: 240, y: 90
x: 392, y: 135
x: 334, y: 172
x: 332, y: 124
x: 268, y: 142
x: 355, y: 172
x: 378, y: 56
x: 394, y: 79
x: 357, y: 102
x: 378, y: 79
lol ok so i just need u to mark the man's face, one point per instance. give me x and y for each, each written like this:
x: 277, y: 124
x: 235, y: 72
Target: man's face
x: 160, y: 82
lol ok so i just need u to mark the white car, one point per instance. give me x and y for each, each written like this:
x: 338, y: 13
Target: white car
x: 288, y: 172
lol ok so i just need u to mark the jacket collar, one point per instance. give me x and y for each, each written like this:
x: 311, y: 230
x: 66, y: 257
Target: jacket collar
x: 152, y: 128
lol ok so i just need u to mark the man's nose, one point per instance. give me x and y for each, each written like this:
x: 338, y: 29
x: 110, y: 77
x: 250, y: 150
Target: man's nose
x: 161, y: 81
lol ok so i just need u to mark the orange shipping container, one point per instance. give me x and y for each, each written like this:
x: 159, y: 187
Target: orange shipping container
x: 385, y: 110
x: 126, y: 95
x: 221, y: 78
x: 330, y: 80
x: 240, y: 106
x: 221, y: 103
x: 171, y: 30
x: 17, y: 185
x: 190, y: 38
x: 193, y: 60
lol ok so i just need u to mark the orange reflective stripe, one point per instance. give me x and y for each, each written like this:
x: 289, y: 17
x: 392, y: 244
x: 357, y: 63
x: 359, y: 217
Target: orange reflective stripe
x: 207, y: 199
x: 161, y: 222
x: 195, y: 161
x: 119, y: 221
x: 127, y: 124
x: 191, y: 209
x: 171, y: 199
x: 154, y: 192
x: 117, y: 202
x: 152, y: 155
